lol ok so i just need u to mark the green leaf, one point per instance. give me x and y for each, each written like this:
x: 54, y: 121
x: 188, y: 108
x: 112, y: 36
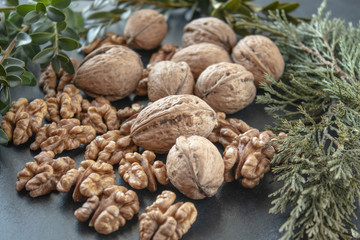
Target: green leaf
x: 70, y: 33
x: 3, y: 29
x: 13, y: 62
x: 66, y: 64
x: 12, y: 2
x: 44, y: 56
x: 3, y: 137
x: 22, y: 39
x: 41, y: 37
x: 12, y: 29
x: 40, y: 7
x: 74, y: 20
x: 31, y: 17
x: 15, y: 18
x: 46, y: 25
x: 56, y: 64
x: 68, y: 44
x: 24, y: 9
x: 60, y: 3
x: 61, y: 25
x: 232, y: 5
x: 15, y: 70
x: 31, y: 50
x: 2, y: 71
x: 28, y: 79
x: 55, y: 14
x: 13, y: 80
x: 45, y: 2
x: 4, y: 96
x: 100, y: 15
x: 271, y: 6
x: 288, y: 7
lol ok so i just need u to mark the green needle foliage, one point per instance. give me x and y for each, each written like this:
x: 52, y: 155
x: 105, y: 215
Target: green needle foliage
x: 317, y: 103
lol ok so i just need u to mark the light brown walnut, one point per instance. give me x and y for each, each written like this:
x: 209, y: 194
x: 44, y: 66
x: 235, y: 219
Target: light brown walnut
x: 158, y: 125
x: 195, y: 167
x: 110, y: 39
x: 89, y: 180
x: 110, y: 71
x: 145, y: 29
x: 162, y: 220
x: 110, y: 147
x: 23, y: 119
x: 200, y: 56
x: 260, y: 56
x: 169, y: 78
x: 140, y: 170
x: 248, y: 157
x: 41, y: 176
x: 226, y: 87
x: 67, y: 134
x: 210, y: 30
x: 111, y: 210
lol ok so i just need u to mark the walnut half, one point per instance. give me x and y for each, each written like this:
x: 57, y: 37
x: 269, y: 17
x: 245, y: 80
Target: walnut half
x: 162, y: 220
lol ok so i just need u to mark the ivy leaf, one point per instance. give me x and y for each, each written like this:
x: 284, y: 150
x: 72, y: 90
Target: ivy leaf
x: 44, y: 56
x: 60, y: 3
x: 24, y: 9
x: 13, y: 62
x: 13, y: 80
x: 15, y: 70
x: 41, y: 37
x: 28, y: 79
x: 66, y: 64
x: 56, y: 64
x: 55, y: 14
x: 31, y: 17
x: 22, y: 39
x: 2, y: 71
x: 40, y: 7
x: 68, y: 44
x: 3, y: 137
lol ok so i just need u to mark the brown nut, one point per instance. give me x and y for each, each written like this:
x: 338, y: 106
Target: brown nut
x: 145, y: 29
x: 226, y: 87
x: 169, y: 78
x: 210, y: 30
x: 259, y: 55
x: 165, y: 53
x: 112, y: 72
x: 195, y: 167
x: 200, y: 56
x: 158, y: 125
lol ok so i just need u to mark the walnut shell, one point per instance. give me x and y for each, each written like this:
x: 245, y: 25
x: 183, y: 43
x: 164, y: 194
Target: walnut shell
x: 259, y: 55
x: 145, y: 29
x: 195, y: 167
x: 200, y: 56
x: 226, y: 87
x: 158, y: 125
x: 169, y: 78
x: 110, y: 71
x: 210, y: 30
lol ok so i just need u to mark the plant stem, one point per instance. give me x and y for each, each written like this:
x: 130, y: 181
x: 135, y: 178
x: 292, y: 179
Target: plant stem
x: 56, y: 39
x: 7, y: 8
x: 12, y: 45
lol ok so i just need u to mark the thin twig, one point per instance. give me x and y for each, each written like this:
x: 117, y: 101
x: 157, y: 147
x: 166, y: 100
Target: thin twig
x: 7, y: 8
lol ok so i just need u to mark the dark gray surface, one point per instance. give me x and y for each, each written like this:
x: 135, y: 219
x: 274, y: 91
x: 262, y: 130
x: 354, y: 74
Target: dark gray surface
x: 233, y: 213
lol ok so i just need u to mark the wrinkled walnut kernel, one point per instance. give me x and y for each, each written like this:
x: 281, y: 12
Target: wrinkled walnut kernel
x: 140, y: 170
x: 41, y: 176
x: 23, y: 119
x: 110, y: 210
x: 67, y: 134
x: 162, y: 220
x: 110, y: 147
x: 165, y: 53
x: 89, y: 180
x: 248, y: 157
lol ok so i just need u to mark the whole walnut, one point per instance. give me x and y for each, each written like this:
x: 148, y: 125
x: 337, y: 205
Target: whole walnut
x: 210, y: 30
x: 145, y: 29
x: 158, y: 125
x: 259, y: 55
x: 200, y: 56
x: 169, y: 78
x: 111, y: 71
x: 195, y: 167
x: 226, y: 87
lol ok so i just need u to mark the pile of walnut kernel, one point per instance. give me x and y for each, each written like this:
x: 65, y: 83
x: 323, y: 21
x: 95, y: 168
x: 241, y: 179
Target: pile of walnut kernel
x: 127, y: 139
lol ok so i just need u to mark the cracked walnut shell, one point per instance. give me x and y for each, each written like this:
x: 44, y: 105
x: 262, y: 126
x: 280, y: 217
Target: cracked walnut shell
x: 162, y: 220
x: 226, y: 87
x: 23, y: 119
x: 200, y: 56
x: 140, y: 170
x: 41, y: 176
x: 259, y: 55
x: 158, y: 125
x: 89, y: 180
x: 195, y: 167
x: 210, y: 30
x: 169, y: 78
x: 145, y: 29
x: 110, y: 210
x: 111, y: 71
x: 67, y: 134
